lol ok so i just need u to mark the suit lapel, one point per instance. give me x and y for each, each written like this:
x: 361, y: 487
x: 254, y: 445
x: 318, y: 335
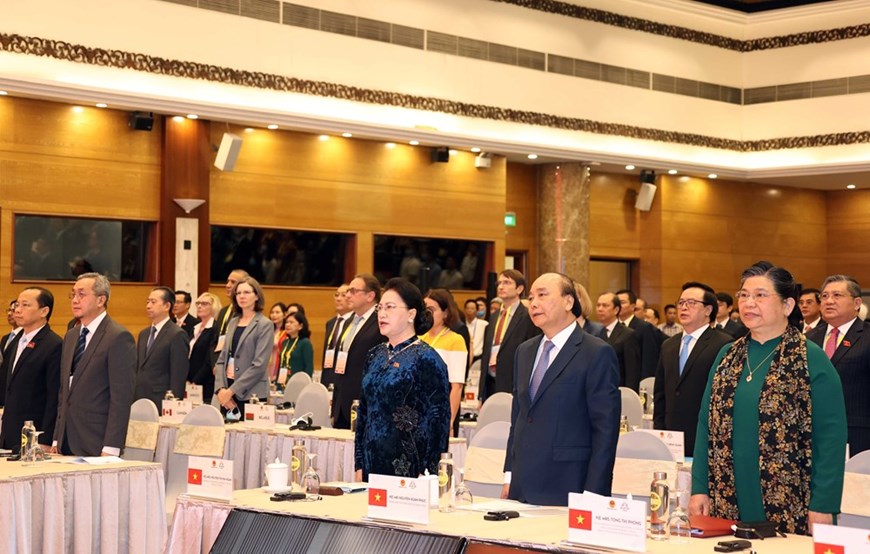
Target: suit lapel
x: 89, y: 351
x: 26, y: 354
x: 558, y: 365
x: 697, y: 350
x: 514, y: 322
x: 853, y: 335
x: 524, y: 373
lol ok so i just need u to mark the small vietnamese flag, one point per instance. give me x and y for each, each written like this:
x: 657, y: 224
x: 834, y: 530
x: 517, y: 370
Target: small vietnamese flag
x: 378, y: 497
x: 822, y: 548
x: 249, y: 416
x: 580, y: 519
x: 194, y: 476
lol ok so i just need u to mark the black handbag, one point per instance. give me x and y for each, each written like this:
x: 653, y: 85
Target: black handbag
x: 757, y: 529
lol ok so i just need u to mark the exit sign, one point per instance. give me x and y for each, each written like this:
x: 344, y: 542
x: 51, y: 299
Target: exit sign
x: 510, y: 219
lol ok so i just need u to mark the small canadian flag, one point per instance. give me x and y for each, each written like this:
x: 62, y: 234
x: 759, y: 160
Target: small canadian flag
x: 167, y: 411
x: 194, y: 476
x: 378, y: 497
x: 580, y: 519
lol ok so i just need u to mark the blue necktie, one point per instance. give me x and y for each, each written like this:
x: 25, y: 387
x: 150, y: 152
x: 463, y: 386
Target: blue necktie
x: 540, y: 369
x: 684, y: 353
x: 80, y: 350
x: 150, y: 339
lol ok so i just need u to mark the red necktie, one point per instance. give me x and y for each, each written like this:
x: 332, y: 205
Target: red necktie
x: 831, y: 345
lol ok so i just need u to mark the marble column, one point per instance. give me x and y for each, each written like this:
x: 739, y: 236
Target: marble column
x: 563, y: 220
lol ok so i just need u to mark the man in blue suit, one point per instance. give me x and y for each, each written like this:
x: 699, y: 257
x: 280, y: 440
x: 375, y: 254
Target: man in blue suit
x: 566, y: 406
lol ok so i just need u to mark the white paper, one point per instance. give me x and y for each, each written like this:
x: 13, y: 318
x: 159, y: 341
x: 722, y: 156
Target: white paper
x: 193, y: 393
x: 210, y: 478
x: 609, y: 522
x: 851, y: 538
x: 261, y: 416
x: 398, y: 499
x: 173, y: 411
x: 96, y: 460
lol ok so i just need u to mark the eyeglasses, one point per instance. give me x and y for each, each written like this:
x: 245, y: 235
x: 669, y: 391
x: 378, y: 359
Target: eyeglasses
x: 689, y: 303
x: 389, y: 308
x: 78, y: 294
x: 835, y: 296
x: 760, y: 296
x: 352, y: 290
x: 202, y: 303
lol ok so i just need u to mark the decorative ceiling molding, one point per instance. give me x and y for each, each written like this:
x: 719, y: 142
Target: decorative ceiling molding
x: 60, y: 50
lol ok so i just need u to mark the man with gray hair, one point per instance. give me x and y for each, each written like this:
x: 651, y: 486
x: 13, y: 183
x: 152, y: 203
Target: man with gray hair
x: 846, y: 340
x: 97, y: 365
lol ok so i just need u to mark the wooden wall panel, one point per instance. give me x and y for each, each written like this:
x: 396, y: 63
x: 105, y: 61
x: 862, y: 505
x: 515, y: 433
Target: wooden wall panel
x: 614, y: 224
x: 522, y: 198
x: 848, y: 217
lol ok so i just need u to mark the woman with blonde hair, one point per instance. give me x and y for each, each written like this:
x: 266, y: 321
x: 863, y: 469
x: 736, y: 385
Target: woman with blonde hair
x: 200, y: 373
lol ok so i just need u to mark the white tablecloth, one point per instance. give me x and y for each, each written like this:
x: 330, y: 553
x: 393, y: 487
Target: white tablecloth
x: 60, y: 507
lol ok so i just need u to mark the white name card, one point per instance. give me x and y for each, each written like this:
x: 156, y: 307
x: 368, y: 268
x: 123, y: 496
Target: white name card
x: 399, y: 499
x: 609, y: 522
x: 840, y: 540
x: 193, y: 393
x: 675, y: 440
x: 175, y: 410
x: 210, y: 478
x: 261, y: 416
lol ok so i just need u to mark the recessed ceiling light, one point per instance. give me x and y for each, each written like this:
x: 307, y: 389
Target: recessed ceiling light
x: 249, y: 129
x: 629, y: 167
x: 271, y: 127
x: 390, y: 145
x: 178, y: 119
x: 78, y: 109
x: 3, y: 93
x: 712, y: 176
x: 323, y: 138
x: 475, y: 149
x: 347, y: 135
x: 850, y: 186
x: 453, y: 152
x: 102, y: 105
x: 533, y: 156
x: 414, y: 142
x: 192, y: 116
x: 672, y: 172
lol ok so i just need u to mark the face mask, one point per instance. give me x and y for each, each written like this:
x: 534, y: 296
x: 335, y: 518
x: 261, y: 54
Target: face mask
x: 234, y: 415
x: 480, y: 314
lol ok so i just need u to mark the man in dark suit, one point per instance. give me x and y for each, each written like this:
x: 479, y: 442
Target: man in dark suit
x: 181, y: 312
x: 621, y: 338
x: 508, y: 328
x: 846, y: 340
x: 565, y: 414
x: 8, y: 340
x: 97, y: 367
x: 685, y: 363
x: 222, y: 319
x: 363, y: 295
x: 161, y: 351
x: 810, y: 304
x: 33, y: 371
x: 650, y: 340
x: 723, y: 319
x: 335, y: 329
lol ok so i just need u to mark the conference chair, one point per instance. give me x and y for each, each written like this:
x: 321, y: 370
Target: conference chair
x: 314, y: 399
x: 142, y: 431
x: 484, y: 461
x: 642, y: 446
x: 859, y: 463
x: 496, y: 408
x: 631, y: 407
x: 201, y: 433
x: 295, y: 384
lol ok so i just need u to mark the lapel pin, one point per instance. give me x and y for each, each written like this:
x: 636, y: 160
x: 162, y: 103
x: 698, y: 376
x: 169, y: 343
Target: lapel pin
x: 31, y: 344
x: 847, y: 344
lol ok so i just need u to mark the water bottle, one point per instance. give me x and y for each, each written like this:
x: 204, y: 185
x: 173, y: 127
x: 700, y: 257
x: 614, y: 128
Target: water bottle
x: 27, y: 439
x: 298, y: 463
x: 330, y: 391
x: 446, y: 492
x: 354, y: 413
x: 169, y: 395
x: 658, y: 506
x: 623, y: 425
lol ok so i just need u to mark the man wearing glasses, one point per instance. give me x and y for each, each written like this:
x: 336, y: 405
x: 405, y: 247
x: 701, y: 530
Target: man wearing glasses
x: 846, y: 340
x: 97, y: 365
x: 8, y: 340
x: 335, y: 331
x: 685, y: 362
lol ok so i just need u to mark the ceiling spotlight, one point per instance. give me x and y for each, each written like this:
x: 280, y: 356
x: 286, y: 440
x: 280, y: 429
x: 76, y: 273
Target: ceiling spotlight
x: 192, y: 116
x: 672, y: 172
x: 271, y: 127
x: 323, y: 138
x: 850, y: 186
x: 453, y: 152
x: 347, y: 135
x: 414, y: 142
x: 629, y: 167
x: 475, y: 149
x: 390, y: 145
x: 3, y: 93
x: 178, y: 119
x: 78, y: 109
x: 712, y: 176
x: 249, y: 129
x: 102, y: 105
x: 533, y: 156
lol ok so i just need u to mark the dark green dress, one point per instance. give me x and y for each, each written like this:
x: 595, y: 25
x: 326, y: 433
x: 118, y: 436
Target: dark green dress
x: 828, y: 434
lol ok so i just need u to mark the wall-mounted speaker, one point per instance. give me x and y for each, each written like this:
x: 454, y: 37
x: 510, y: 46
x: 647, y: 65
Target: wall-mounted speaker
x: 441, y: 154
x: 228, y: 152
x: 141, y: 121
x: 645, y: 197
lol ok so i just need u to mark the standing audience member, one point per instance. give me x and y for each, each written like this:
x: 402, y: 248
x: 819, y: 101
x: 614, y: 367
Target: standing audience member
x: 242, y: 368
x: 33, y: 370
x: 565, y: 413
x: 335, y: 331
x: 621, y: 338
x: 592, y: 327
x: 842, y: 337
x: 648, y: 337
x: 723, y: 320
x: 685, y: 364
x: 97, y: 368
x: 363, y: 294
x: 448, y: 344
x: 811, y: 309
x: 277, y: 315
x: 670, y: 327
x: 507, y: 329
x: 8, y: 340
x: 162, y: 351
x: 651, y: 316
x: 201, y: 369
x: 181, y: 312
x: 297, y: 352
x: 771, y: 442
x: 222, y: 319
x: 403, y: 424
x: 476, y: 329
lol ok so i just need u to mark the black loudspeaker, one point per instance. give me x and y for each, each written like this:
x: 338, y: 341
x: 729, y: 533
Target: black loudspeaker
x: 491, y: 279
x: 141, y: 121
x: 441, y: 154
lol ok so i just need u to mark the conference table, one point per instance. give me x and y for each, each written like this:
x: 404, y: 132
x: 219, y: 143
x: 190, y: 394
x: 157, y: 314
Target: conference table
x: 59, y: 506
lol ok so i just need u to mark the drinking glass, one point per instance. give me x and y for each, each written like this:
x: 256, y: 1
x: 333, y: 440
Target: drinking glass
x: 462, y: 494
x: 310, y: 480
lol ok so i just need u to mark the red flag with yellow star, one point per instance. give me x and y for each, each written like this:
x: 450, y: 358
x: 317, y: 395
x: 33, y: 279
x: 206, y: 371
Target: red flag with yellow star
x: 378, y: 497
x: 194, y: 476
x: 823, y: 548
x: 580, y: 519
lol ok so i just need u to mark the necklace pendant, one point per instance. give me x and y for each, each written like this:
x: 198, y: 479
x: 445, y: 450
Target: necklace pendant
x: 749, y: 378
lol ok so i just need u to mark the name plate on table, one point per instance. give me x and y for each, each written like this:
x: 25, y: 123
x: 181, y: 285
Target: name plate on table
x: 175, y: 410
x: 260, y: 415
x: 834, y: 539
x: 609, y: 522
x: 193, y: 393
x: 675, y: 440
x: 210, y: 478
x: 399, y: 499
